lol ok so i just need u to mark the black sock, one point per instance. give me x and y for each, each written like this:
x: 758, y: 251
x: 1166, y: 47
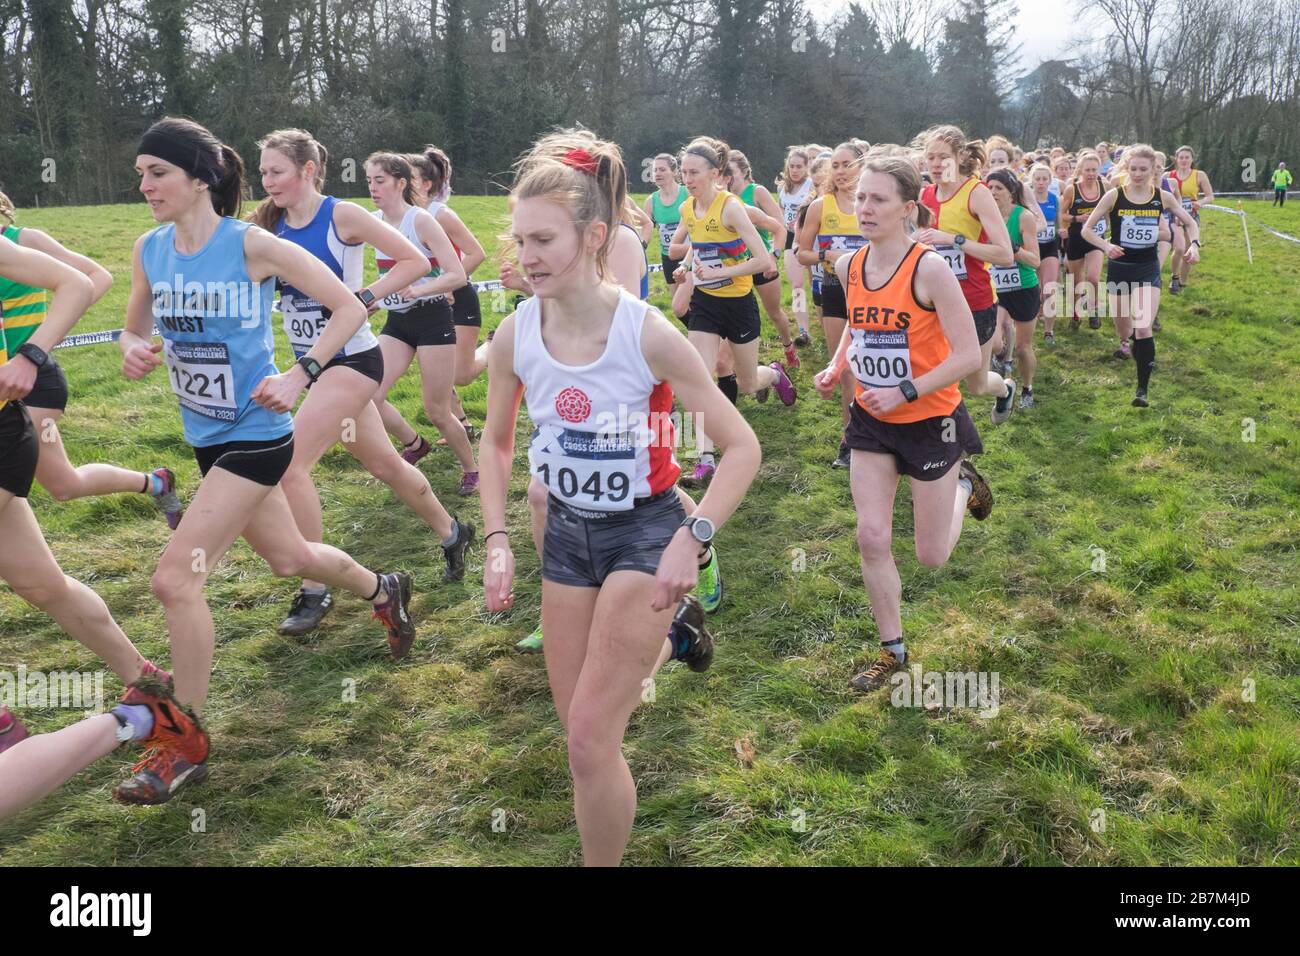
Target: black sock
x: 379, y: 586
x: 1144, y: 354
x: 729, y: 387
x: 896, y: 648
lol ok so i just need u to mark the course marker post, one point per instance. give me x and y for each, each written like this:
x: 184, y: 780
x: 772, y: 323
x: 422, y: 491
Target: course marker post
x: 1242, y: 213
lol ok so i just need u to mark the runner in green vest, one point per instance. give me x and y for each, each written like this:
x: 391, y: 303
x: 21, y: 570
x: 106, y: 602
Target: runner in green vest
x: 1281, y: 180
x: 24, y: 309
x: 664, y: 207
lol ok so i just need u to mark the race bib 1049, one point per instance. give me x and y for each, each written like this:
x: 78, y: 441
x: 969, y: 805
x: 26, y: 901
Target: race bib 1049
x: 592, y: 470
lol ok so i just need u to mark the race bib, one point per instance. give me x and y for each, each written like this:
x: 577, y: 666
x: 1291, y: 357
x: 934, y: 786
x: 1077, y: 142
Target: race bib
x: 1100, y: 228
x: 1139, y: 232
x: 592, y: 470
x: 710, y: 257
x: 1048, y: 234
x: 666, y: 230
x: 201, y: 376
x: 879, y: 358
x: 956, y: 259
x: 303, y: 329
x: 1005, y: 278
x: 1187, y: 204
x: 791, y: 211
x: 838, y: 245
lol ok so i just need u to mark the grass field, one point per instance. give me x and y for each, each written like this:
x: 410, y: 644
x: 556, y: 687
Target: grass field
x: 1125, y: 691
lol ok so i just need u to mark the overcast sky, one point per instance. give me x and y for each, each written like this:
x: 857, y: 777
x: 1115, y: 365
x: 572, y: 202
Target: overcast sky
x: 1043, y: 38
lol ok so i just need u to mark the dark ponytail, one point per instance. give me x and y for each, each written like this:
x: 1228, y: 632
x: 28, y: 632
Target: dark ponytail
x: 228, y: 194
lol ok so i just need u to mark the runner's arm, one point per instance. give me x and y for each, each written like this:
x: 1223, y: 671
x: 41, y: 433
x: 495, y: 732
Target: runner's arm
x: 736, y: 217
x: 626, y: 260
x: 937, y: 284
x: 1100, y: 212
x: 807, y: 241
x: 139, y: 353
x: 763, y: 199
x: 435, y: 240
x: 997, y: 250
x: 72, y: 292
x: 100, y: 278
x: 1028, y: 251
x: 470, y: 248
x: 679, y: 248
x: 354, y: 224
x: 496, y: 456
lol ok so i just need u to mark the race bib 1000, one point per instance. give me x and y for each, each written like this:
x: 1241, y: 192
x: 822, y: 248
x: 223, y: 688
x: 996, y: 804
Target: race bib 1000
x: 879, y: 358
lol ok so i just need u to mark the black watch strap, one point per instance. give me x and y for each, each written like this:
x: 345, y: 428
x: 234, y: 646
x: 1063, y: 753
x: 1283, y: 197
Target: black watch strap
x: 34, y: 354
x: 366, y: 296
x: 310, y: 366
x: 908, y: 390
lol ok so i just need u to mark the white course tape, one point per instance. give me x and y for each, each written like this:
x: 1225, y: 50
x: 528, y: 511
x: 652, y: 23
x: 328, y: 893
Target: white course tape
x: 1242, y: 213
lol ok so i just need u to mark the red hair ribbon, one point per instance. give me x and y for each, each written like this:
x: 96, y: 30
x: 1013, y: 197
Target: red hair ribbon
x: 580, y: 160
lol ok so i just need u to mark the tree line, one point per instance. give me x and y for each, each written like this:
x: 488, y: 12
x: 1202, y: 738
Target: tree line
x: 81, y: 79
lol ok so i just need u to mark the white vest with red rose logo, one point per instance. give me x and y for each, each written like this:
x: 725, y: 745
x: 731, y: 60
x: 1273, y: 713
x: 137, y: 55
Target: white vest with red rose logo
x: 602, y: 433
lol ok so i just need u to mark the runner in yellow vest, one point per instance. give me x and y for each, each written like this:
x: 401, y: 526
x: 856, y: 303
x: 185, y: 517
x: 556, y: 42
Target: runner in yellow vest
x: 1281, y: 180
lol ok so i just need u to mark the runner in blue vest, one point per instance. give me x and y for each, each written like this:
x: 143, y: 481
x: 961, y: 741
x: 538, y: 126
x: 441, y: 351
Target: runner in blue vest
x: 207, y: 279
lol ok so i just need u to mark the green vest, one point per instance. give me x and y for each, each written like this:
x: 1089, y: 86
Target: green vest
x: 747, y: 197
x: 23, y: 305
x: 667, y: 218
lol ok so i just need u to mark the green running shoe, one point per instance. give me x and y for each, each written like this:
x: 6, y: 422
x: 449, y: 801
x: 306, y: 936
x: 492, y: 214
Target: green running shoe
x: 532, y: 644
x: 709, y: 590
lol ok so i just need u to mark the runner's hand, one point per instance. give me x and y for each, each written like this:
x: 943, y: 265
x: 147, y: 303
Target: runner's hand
x: 279, y: 393
x: 1192, y: 255
x: 882, y: 401
x: 16, y: 380
x: 140, y: 360
x: 679, y: 571
x: 499, y: 578
x: 1113, y: 251
x: 826, y: 381
x: 705, y: 273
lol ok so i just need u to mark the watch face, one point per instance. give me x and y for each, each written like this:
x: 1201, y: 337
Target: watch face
x: 702, y: 529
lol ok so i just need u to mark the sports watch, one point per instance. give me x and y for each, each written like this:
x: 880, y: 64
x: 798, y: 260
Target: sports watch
x: 959, y: 240
x: 701, y: 528
x: 908, y: 390
x: 367, y: 297
x: 311, y: 367
x: 34, y: 354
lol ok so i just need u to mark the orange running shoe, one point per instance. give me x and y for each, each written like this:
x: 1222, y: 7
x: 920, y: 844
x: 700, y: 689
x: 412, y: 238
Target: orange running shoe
x: 158, y: 777
x: 175, y: 728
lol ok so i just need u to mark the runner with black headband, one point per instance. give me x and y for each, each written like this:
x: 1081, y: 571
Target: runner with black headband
x: 207, y: 279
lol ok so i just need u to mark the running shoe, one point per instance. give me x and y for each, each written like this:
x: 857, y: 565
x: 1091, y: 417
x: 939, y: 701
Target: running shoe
x: 1094, y: 321
x: 13, y: 733
x: 532, y: 644
x: 980, y: 503
x: 168, y: 502
x: 1140, y: 399
x: 395, y: 613
x: 784, y: 387
x: 1004, y: 406
x: 709, y: 591
x: 1175, y: 286
x: 1049, y: 338
x: 455, y: 554
x: 761, y: 395
x: 1074, y: 324
x: 791, y: 356
x: 844, y: 458
x: 877, y: 675
x: 175, y: 728
x: 689, y: 621
x: 468, y: 483
x: 1125, y: 351
x: 1026, y: 398
x: 700, y: 477
x: 803, y: 339
x: 305, y: 613
x: 158, y: 777
x: 421, y: 448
